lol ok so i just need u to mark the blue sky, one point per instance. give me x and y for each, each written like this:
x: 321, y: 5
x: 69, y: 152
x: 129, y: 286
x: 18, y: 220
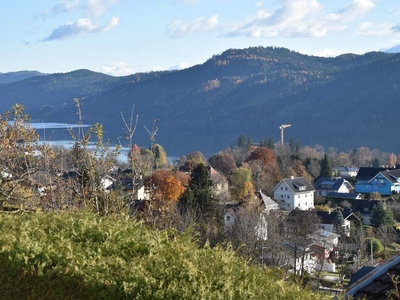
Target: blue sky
x: 121, y: 37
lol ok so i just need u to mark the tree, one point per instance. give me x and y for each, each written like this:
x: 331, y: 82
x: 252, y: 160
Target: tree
x: 198, y: 196
x: 300, y: 225
x: 21, y: 157
x: 241, y: 187
x: 169, y: 186
x: 243, y: 233
x: 241, y: 142
x: 338, y: 222
x: 264, y: 155
x: 380, y: 214
x: 326, y: 170
x: 191, y: 161
x: 387, y: 234
x: 160, y: 155
x: 223, y: 162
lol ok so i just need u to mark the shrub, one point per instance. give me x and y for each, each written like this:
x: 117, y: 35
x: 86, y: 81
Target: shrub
x: 377, y: 246
x: 83, y: 256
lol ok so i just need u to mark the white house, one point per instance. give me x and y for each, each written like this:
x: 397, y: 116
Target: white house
x: 345, y: 172
x: 294, y: 192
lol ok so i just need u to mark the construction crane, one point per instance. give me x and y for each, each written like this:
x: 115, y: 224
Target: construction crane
x: 282, y: 128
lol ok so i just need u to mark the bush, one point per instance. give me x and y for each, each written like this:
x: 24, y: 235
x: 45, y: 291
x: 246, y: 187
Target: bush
x: 83, y: 256
x: 376, y: 246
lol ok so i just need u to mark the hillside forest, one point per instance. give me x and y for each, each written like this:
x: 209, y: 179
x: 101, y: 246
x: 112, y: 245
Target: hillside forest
x: 344, y: 102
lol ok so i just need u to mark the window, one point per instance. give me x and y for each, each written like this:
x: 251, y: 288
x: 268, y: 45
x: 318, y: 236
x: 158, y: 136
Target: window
x: 298, y: 196
x: 306, y: 203
x: 281, y: 196
x: 288, y: 205
x: 228, y: 218
x: 285, y: 188
x: 320, y: 193
x: 298, y: 205
x: 281, y: 188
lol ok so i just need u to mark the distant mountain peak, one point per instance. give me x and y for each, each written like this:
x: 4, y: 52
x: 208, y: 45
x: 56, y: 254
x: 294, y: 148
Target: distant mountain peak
x: 10, y: 77
x: 395, y: 49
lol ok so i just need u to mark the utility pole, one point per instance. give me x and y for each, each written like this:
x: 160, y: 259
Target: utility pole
x: 282, y: 128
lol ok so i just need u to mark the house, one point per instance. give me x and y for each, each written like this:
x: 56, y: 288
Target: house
x: 364, y: 207
x: 345, y: 172
x: 344, y: 196
x: 325, y: 185
x: 385, y: 182
x: 220, y: 183
x: 267, y: 202
x: 329, y: 219
x: 294, y: 192
x: 378, y: 284
x: 324, y: 244
x: 230, y: 210
x: 365, y: 174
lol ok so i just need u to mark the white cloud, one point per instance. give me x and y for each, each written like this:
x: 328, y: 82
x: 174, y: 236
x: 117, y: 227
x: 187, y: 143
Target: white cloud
x: 355, y: 10
x: 372, y: 29
x: 60, y: 8
x: 80, y: 27
x: 329, y: 53
x: 300, y: 18
x: 117, y: 68
x: 96, y: 8
x: 179, y: 66
x: 259, y: 3
x: 178, y: 29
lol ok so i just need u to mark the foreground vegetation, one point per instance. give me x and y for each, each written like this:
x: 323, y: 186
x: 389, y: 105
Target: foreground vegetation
x: 82, y: 256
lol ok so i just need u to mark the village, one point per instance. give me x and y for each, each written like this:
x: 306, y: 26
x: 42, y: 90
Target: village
x: 278, y: 205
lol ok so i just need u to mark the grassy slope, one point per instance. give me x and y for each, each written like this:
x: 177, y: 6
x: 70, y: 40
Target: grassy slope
x: 80, y: 256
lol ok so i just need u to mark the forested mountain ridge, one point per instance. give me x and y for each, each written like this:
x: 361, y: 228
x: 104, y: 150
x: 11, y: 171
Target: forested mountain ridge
x: 345, y: 102
x: 17, y: 76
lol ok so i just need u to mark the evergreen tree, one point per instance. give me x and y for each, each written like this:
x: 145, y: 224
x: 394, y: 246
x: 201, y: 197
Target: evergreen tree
x: 292, y: 146
x: 338, y: 222
x: 249, y: 142
x: 298, y: 146
x: 381, y: 215
x: 326, y: 170
x: 198, y: 196
x: 241, y: 143
x: 270, y: 144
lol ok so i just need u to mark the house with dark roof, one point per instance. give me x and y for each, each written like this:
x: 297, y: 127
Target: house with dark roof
x: 365, y: 174
x: 364, y: 207
x: 344, y: 196
x: 378, y: 284
x: 328, y: 220
x: 385, y: 182
x: 326, y: 185
x: 294, y: 192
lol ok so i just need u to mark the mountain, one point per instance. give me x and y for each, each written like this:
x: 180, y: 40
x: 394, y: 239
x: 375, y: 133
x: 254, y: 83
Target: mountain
x: 344, y: 102
x: 17, y: 76
x: 395, y: 49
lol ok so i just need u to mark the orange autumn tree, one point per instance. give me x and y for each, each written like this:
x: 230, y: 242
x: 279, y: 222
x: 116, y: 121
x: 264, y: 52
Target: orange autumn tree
x: 168, y: 185
x: 263, y: 154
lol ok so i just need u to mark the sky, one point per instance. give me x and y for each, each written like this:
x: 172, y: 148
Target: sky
x: 122, y: 37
